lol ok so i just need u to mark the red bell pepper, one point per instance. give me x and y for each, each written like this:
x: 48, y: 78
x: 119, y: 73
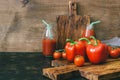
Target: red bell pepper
x: 80, y: 48
x: 70, y: 50
x: 97, y: 52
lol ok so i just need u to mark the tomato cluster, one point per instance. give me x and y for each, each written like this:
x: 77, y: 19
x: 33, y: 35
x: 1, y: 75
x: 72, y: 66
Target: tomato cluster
x: 58, y: 54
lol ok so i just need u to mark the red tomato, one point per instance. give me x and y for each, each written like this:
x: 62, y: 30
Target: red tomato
x: 63, y: 55
x: 57, y: 55
x: 119, y: 50
x: 109, y: 48
x: 114, y: 53
x: 79, y: 61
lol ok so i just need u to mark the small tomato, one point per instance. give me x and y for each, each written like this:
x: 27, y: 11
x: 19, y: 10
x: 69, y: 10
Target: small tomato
x: 119, y: 50
x: 114, y: 53
x: 63, y: 55
x: 109, y: 49
x: 79, y: 60
x: 57, y: 55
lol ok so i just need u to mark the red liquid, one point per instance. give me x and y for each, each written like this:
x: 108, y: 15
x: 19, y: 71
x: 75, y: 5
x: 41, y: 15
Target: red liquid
x: 49, y: 46
x: 88, y: 33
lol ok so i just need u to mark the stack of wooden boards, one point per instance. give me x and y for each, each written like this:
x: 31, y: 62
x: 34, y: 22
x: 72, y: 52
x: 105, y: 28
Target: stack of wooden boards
x: 63, y: 70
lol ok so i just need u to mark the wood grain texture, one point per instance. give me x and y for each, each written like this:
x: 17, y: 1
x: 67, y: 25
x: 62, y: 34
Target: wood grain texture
x: 70, y: 27
x: 106, y: 71
x: 22, y: 29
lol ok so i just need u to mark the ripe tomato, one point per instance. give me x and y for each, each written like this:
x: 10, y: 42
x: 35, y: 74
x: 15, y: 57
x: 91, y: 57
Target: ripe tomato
x: 119, y: 50
x: 109, y: 49
x: 57, y: 55
x: 114, y: 53
x: 79, y: 61
x: 63, y: 55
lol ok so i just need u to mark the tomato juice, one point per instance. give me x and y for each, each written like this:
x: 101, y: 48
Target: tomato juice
x: 88, y: 33
x: 49, y: 46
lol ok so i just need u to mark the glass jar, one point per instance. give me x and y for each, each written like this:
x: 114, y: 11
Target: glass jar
x: 89, y: 31
x: 49, y: 46
x: 49, y: 41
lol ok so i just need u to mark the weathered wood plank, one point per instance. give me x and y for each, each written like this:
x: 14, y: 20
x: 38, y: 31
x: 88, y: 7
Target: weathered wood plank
x: 106, y: 71
x: 61, y: 73
x: 57, y: 63
x: 25, y: 34
x: 63, y: 62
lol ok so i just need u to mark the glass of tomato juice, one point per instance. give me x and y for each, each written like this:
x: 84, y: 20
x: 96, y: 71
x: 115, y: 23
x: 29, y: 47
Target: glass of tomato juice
x: 49, y: 41
x: 88, y: 32
x: 49, y: 46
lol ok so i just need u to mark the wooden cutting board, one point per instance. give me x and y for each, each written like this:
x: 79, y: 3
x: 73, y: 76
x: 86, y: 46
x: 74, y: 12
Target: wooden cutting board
x: 63, y: 70
x: 70, y: 26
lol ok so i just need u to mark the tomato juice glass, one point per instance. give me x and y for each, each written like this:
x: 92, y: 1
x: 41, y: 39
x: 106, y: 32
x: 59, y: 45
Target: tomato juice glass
x: 88, y: 33
x: 48, y: 46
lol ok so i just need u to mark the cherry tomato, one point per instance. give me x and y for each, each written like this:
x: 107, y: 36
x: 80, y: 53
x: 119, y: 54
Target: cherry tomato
x: 119, y: 50
x: 57, y: 55
x: 63, y: 55
x: 109, y: 49
x: 114, y: 53
x: 79, y: 60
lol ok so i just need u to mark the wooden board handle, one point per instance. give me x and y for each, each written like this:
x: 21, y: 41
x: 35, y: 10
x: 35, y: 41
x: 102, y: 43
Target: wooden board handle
x: 72, y: 8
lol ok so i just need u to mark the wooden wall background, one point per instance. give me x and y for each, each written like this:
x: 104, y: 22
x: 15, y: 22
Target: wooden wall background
x: 21, y: 28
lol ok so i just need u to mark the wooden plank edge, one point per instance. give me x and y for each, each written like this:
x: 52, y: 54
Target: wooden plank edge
x: 61, y: 73
x: 56, y: 63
